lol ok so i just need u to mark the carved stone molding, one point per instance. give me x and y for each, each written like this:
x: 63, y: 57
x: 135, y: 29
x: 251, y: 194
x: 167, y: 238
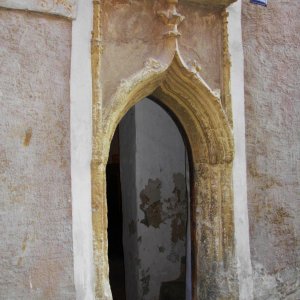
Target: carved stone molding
x: 64, y: 8
x: 171, y: 18
x: 226, y: 62
x: 175, y: 82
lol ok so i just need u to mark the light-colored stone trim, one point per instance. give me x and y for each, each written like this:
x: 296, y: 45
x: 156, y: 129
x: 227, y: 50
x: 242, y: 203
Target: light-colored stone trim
x: 64, y: 8
x: 81, y: 150
x: 200, y: 112
x: 242, y: 244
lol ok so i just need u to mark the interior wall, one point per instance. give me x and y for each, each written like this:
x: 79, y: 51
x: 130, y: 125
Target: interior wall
x: 127, y: 144
x: 272, y: 94
x: 36, y: 259
x: 155, y: 215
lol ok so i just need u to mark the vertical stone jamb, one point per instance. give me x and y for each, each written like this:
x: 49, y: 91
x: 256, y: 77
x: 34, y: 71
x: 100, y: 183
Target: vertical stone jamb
x: 81, y: 150
x: 202, y: 242
x: 226, y: 65
x: 98, y: 166
x: 239, y: 175
x: 212, y: 236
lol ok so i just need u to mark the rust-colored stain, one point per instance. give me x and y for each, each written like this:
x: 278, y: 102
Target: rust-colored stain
x: 24, y: 243
x: 27, y: 138
x: 279, y: 216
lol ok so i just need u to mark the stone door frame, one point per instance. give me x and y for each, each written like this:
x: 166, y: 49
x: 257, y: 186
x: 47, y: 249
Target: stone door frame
x: 209, y: 133
x: 207, y: 121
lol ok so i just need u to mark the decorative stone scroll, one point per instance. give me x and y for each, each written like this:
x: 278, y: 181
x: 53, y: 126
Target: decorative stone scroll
x: 171, y: 18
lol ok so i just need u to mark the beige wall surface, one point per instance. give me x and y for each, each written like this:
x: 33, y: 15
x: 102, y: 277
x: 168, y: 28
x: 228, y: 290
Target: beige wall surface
x: 35, y: 193
x: 65, y: 8
x: 272, y: 95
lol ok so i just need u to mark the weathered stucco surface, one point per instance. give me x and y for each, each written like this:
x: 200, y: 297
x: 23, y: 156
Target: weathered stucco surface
x: 35, y: 196
x: 132, y: 32
x: 272, y: 61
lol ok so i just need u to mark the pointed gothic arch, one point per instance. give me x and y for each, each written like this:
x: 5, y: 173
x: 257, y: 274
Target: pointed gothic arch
x: 210, y: 137
x: 190, y: 99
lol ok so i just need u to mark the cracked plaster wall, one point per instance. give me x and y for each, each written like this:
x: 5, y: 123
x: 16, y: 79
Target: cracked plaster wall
x: 272, y: 95
x: 36, y: 259
x: 155, y: 213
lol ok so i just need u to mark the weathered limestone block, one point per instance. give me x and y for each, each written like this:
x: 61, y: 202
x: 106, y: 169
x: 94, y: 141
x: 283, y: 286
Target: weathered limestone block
x: 65, y: 8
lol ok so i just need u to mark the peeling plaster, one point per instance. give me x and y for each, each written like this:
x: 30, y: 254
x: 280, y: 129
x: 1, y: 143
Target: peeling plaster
x: 151, y: 203
x: 158, y: 210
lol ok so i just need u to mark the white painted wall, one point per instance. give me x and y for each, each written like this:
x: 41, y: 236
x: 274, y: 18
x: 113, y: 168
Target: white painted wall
x: 81, y: 150
x: 159, y: 155
x: 241, y: 222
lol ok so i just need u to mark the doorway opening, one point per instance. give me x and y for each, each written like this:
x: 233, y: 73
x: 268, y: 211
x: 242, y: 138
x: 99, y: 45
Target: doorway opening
x: 115, y: 221
x: 149, y: 243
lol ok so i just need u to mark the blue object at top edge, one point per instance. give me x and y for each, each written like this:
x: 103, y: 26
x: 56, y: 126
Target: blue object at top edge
x: 259, y: 2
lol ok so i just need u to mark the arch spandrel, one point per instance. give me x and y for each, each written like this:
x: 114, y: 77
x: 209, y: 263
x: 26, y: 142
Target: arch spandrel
x: 186, y: 94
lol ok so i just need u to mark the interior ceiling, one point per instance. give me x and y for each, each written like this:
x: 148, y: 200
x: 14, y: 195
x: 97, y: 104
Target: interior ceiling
x: 213, y: 2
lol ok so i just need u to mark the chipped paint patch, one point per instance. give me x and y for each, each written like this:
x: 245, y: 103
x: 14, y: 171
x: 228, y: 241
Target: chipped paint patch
x: 151, y: 203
